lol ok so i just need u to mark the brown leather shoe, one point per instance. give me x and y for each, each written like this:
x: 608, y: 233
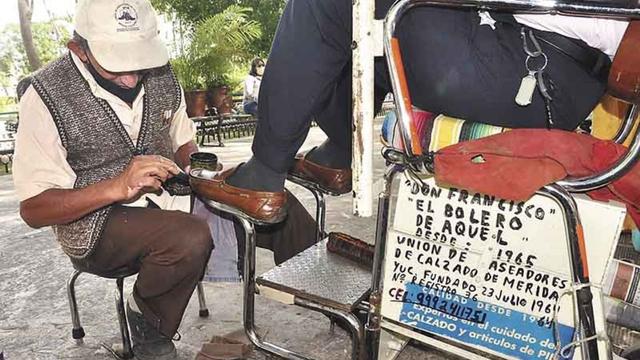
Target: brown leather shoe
x: 268, y: 207
x: 336, y: 181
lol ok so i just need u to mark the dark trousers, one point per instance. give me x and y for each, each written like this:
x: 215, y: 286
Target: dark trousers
x: 454, y: 66
x: 170, y: 248
x: 285, y: 239
x: 251, y: 108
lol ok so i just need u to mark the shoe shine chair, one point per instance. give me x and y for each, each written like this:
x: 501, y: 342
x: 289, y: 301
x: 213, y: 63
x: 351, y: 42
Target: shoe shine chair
x: 418, y: 162
x: 325, y: 282
x: 318, y: 193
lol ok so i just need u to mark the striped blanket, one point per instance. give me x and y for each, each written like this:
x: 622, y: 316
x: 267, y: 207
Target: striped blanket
x: 435, y: 131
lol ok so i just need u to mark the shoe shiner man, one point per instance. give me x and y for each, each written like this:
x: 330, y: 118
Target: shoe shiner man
x: 101, y: 129
x: 458, y: 62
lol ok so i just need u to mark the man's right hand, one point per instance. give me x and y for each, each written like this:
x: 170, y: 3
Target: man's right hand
x: 144, y: 174
x: 61, y: 206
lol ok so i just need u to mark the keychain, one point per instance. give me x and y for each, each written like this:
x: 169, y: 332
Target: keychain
x: 534, y: 78
x: 529, y: 83
x: 525, y: 92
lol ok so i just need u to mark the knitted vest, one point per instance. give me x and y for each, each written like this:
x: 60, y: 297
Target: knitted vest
x: 98, y: 146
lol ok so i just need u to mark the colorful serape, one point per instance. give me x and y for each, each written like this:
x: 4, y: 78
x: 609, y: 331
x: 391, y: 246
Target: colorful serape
x: 435, y: 131
x: 391, y: 131
x: 448, y: 131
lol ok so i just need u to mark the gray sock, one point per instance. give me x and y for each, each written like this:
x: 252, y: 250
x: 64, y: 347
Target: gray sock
x: 331, y: 155
x: 254, y: 175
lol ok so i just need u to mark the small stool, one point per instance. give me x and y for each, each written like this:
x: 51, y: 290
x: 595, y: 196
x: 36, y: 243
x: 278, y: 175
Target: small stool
x: 119, y: 274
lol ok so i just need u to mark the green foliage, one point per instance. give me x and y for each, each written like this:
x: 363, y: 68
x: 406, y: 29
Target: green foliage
x: 49, y: 41
x: 237, y: 76
x: 192, y: 11
x: 7, y: 104
x: 265, y: 12
x: 217, y: 44
x: 6, y: 68
x: 189, y: 72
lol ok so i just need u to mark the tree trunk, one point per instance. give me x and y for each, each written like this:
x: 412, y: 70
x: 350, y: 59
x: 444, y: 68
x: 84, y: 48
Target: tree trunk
x: 25, y: 9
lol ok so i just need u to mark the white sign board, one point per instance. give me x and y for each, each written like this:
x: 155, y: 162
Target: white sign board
x: 487, y: 272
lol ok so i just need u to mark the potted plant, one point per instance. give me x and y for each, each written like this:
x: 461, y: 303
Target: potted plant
x: 217, y: 43
x: 192, y: 82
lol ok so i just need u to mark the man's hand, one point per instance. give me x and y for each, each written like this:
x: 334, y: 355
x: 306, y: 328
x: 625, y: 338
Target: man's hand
x: 144, y: 174
x: 62, y: 206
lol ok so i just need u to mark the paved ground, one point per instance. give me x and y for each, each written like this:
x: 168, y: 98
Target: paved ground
x: 34, y: 313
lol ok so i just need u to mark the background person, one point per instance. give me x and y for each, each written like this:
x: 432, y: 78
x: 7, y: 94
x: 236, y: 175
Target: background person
x: 252, y: 87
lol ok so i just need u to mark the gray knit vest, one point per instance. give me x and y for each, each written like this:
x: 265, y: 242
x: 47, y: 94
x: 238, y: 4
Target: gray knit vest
x: 98, y: 146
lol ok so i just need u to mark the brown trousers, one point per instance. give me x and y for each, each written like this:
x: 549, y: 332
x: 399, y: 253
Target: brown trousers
x: 170, y: 248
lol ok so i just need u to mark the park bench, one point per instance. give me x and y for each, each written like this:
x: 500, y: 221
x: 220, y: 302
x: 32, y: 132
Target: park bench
x: 7, y: 143
x: 225, y: 126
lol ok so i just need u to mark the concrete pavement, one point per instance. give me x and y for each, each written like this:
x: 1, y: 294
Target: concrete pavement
x: 34, y: 313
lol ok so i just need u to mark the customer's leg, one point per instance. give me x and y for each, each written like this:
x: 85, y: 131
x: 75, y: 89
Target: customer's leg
x: 335, y: 119
x: 460, y: 68
x: 170, y: 247
x: 310, y: 50
x: 286, y: 239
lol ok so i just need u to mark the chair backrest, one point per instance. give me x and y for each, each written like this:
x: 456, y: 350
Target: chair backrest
x: 624, y: 77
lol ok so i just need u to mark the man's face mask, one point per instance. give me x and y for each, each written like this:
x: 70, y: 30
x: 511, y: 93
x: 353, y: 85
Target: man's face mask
x: 124, y: 86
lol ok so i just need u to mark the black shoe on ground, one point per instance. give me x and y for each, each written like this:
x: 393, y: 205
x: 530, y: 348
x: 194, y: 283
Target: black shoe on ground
x: 148, y: 342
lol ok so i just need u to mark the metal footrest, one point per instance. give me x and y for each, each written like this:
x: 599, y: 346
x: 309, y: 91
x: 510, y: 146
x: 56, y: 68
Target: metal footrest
x: 319, y: 276
x: 310, y: 185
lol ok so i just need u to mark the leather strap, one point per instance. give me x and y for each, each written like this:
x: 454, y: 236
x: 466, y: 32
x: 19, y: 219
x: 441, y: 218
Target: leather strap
x: 594, y: 61
x: 624, y: 77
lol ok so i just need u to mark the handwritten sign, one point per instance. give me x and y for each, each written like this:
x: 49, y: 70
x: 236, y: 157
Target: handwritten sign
x: 484, y: 271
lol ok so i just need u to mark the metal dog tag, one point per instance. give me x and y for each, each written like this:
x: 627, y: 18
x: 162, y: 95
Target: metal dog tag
x: 527, y: 87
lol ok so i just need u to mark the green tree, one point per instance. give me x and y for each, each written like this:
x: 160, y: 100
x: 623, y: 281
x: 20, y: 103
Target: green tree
x: 217, y: 44
x: 49, y: 39
x: 265, y: 12
x: 6, y: 68
x: 25, y: 11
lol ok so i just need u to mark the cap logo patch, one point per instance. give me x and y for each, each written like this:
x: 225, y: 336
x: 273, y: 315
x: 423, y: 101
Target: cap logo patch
x: 127, y: 17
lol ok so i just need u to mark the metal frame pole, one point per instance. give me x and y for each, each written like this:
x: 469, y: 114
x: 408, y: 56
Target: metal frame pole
x: 362, y: 73
x: 321, y: 213
x: 350, y: 320
x: 77, y: 332
x: 578, y: 265
x: 372, y: 328
x: 249, y: 285
x: 249, y: 294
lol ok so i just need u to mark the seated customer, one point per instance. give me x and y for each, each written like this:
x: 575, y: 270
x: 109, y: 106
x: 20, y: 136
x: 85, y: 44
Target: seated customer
x: 458, y: 62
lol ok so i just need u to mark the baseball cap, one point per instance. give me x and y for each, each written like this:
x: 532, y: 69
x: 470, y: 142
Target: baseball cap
x: 122, y: 34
